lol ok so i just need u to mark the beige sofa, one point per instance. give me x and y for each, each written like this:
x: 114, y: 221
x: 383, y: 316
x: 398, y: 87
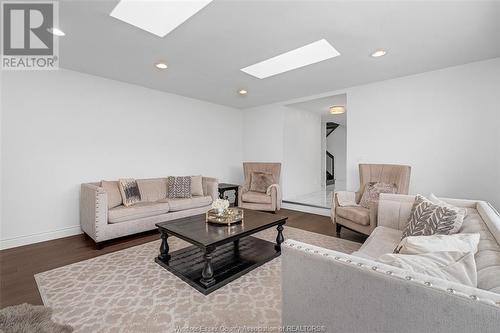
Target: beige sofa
x: 102, y: 223
x: 356, y: 293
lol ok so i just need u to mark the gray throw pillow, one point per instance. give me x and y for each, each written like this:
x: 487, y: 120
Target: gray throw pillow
x: 428, y: 218
x: 260, y: 181
x: 179, y: 187
x: 129, y: 191
x: 372, y: 192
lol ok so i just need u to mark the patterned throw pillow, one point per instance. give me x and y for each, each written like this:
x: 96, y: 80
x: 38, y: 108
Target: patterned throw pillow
x: 179, y: 187
x: 428, y: 218
x: 372, y: 192
x: 129, y: 191
x: 260, y: 181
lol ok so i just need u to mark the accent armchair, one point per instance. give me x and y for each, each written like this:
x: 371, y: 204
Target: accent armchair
x: 265, y: 201
x: 361, y: 219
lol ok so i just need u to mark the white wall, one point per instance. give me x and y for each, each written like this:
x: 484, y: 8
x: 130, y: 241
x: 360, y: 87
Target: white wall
x: 445, y: 124
x: 63, y: 128
x: 276, y: 133
x: 302, y: 153
x: 337, y: 146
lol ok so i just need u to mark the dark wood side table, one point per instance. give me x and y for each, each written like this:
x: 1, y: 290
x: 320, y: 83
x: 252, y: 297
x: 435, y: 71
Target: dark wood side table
x: 223, y: 187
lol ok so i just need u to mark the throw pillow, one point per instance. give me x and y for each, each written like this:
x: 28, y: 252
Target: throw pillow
x: 260, y: 181
x: 129, y: 191
x: 113, y: 191
x: 461, y: 212
x: 427, y: 218
x: 438, y: 243
x: 453, y: 266
x: 179, y: 187
x: 196, y: 185
x: 372, y: 192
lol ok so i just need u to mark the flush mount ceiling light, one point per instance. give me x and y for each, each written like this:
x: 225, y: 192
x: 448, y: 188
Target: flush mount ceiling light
x: 379, y: 53
x: 161, y: 65
x: 337, y: 109
x: 56, y: 32
x: 242, y: 92
x: 158, y: 17
x: 303, y: 56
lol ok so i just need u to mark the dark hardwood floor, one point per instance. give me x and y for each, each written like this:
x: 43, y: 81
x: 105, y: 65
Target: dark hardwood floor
x: 18, y: 265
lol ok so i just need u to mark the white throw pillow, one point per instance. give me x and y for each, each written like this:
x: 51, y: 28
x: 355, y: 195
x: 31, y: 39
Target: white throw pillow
x: 437, y: 243
x: 449, y: 257
x: 450, y: 266
x: 196, y: 185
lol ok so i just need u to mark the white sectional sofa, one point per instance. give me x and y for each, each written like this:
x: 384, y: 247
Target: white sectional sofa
x: 102, y: 223
x: 355, y: 293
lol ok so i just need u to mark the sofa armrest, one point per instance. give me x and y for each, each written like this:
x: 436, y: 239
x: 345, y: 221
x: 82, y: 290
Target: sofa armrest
x: 210, y: 187
x: 361, y: 295
x: 373, y: 213
x: 241, y: 190
x: 93, y: 211
x: 274, y: 191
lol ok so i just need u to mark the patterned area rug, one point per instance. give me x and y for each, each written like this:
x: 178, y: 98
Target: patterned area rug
x: 126, y: 291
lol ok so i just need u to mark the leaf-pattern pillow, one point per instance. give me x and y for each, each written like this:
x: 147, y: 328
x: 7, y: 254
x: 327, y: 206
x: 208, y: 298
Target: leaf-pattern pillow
x: 428, y: 218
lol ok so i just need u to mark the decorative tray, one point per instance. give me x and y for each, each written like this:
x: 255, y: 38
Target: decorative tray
x: 228, y: 217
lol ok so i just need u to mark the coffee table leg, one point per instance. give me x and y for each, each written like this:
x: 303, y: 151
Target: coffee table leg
x: 164, y: 249
x: 207, y: 274
x: 279, y: 239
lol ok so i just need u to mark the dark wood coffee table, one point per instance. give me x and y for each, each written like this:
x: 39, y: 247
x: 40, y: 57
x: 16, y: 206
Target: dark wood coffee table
x: 219, y: 254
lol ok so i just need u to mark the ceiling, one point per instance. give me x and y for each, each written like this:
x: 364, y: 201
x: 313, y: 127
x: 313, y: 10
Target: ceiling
x: 322, y: 106
x: 206, y: 53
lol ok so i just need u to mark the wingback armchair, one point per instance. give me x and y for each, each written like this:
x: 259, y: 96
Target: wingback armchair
x: 270, y: 200
x: 362, y: 219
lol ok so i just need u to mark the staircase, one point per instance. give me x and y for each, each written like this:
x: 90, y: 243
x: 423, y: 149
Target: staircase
x: 330, y: 159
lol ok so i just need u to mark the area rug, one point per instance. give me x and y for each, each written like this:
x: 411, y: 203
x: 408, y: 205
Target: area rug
x: 126, y: 291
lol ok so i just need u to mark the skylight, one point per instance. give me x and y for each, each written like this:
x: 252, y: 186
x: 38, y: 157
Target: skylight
x: 303, y: 56
x: 158, y: 17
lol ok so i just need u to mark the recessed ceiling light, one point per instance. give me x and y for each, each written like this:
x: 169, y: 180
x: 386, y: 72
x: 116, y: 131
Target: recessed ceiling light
x: 242, y: 92
x: 157, y: 17
x: 161, y: 65
x: 303, y: 56
x: 337, y: 109
x: 56, y: 32
x: 379, y: 53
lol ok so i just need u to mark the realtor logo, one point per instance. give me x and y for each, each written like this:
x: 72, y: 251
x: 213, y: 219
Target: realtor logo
x: 27, y: 42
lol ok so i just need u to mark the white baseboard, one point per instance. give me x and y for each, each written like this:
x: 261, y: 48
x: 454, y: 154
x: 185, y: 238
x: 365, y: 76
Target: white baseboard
x: 306, y: 209
x: 39, y: 237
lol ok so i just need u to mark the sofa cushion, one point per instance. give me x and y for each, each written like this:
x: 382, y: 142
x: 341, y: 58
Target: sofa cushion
x: 358, y: 215
x: 113, y: 193
x: 137, y: 211
x: 488, y: 254
x: 177, y: 204
x: 256, y: 197
x: 153, y: 189
x: 381, y: 241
